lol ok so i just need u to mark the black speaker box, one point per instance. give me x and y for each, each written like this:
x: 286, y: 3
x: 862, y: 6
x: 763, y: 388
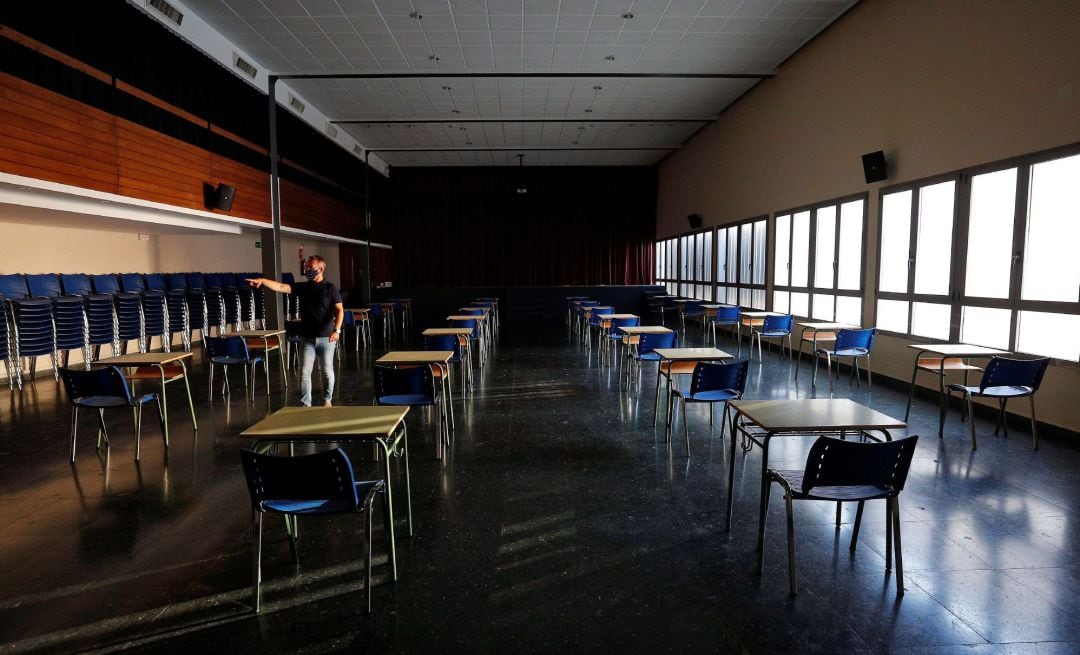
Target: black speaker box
x: 220, y: 197
x: 873, y: 164
x: 694, y: 220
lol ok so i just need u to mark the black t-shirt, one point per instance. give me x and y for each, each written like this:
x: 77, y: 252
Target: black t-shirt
x: 317, y: 302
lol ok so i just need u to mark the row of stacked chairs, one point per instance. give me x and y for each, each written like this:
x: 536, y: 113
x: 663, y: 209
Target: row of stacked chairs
x: 53, y: 314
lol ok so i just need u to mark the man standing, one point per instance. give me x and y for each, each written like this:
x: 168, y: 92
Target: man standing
x: 321, y: 314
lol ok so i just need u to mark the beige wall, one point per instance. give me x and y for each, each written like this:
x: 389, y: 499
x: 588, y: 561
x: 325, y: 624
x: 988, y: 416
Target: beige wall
x: 938, y: 85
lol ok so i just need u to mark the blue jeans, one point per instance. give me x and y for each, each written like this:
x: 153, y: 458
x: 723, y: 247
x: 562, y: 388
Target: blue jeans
x: 325, y: 350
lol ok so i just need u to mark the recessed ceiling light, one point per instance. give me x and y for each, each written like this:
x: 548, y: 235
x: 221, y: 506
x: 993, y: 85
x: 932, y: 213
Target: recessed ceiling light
x: 610, y: 57
x: 574, y: 142
x: 455, y: 111
x: 628, y: 16
x: 468, y: 143
x: 415, y: 14
x: 598, y: 88
x: 446, y: 88
x: 433, y: 57
x: 588, y: 111
x: 581, y: 127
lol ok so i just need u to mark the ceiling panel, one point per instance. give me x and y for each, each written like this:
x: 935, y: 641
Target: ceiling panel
x: 660, y: 37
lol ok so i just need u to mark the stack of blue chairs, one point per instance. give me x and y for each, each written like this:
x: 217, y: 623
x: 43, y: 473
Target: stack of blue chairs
x: 31, y: 320
x: 155, y: 311
x: 224, y: 285
x: 98, y: 309
x: 69, y: 317
x: 213, y: 316
x: 5, y: 350
x: 258, y: 309
x: 176, y: 309
x: 130, y: 325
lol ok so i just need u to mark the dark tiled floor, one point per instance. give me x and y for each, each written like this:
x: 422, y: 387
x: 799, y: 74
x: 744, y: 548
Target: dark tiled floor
x: 560, y: 521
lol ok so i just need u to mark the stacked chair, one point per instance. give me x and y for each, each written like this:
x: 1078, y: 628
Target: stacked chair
x: 69, y: 317
x: 155, y: 309
x: 176, y: 310
x: 5, y: 349
x: 213, y: 303
x: 127, y: 309
x: 292, y: 302
x: 223, y: 285
x: 98, y: 308
x: 32, y: 325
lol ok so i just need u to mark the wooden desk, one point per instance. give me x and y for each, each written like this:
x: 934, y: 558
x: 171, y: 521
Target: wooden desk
x: 437, y: 359
x: 463, y: 340
x: 264, y: 337
x: 818, y: 332
x: 482, y: 323
x: 166, y: 365
x: 680, y: 361
x: 344, y: 424
x: 945, y: 357
x: 761, y: 420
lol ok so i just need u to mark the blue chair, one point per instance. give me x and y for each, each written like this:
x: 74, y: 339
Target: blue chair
x: 127, y: 309
x: 453, y: 344
x: 772, y: 327
x: 712, y: 382
x: 474, y: 336
x: 725, y: 315
x: 68, y: 315
x: 292, y: 341
x: 32, y: 325
x: 693, y: 309
x: 644, y: 351
x: 413, y: 386
x: 375, y: 310
x: 176, y: 310
x: 594, y: 321
x: 233, y: 351
x: 615, y: 334
x: 1002, y: 379
x: 308, y: 485
x: 579, y: 317
x: 101, y: 326
x: 848, y: 471
x: 154, y: 307
x: 101, y: 389
x: 849, y: 343
x: 5, y: 350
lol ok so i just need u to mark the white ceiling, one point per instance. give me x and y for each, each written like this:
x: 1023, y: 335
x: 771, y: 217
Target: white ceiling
x: 520, y: 36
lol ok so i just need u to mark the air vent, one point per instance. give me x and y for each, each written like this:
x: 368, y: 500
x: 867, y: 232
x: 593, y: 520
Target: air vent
x: 358, y: 151
x: 296, y: 104
x: 331, y: 131
x: 243, y: 65
x: 166, y: 10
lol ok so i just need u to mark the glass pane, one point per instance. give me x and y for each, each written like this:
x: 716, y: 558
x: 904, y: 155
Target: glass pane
x: 684, y: 261
x: 933, y: 250
x: 746, y: 244
x: 733, y: 255
x: 825, y: 247
x: 659, y: 263
x: 892, y: 315
x: 707, y: 266
x: 849, y: 259
x: 721, y: 254
x: 990, y: 229
x: 758, y: 264
x: 783, y: 243
x: 732, y: 296
x: 895, y: 244
x: 744, y: 298
x: 823, y: 307
x: 1049, y: 335
x: 930, y: 320
x: 849, y: 310
x: 780, y: 301
x: 800, y: 304
x: 985, y: 326
x: 757, y: 299
x: 800, y: 249
x: 1051, y: 264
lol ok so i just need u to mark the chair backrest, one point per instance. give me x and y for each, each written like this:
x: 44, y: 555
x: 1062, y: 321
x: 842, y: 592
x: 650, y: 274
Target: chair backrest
x: 837, y: 463
x: 465, y: 323
x: 44, y: 285
x: 408, y: 381
x: 618, y: 323
x: 213, y: 280
x: 472, y: 312
x: 176, y: 281
x: 694, y: 306
x: 855, y: 339
x: 75, y: 284
x: 13, y: 287
x: 326, y: 475
x: 106, y: 283
x: 727, y: 314
x: 780, y: 323
x: 195, y: 281
x: 375, y: 309
x: 1005, y: 372
x: 233, y: 347
x: 156, y: 282
x: 348, y: 320
x: 650, y: 342
x: 717, y: 376
x: 231, y: 280
x: 108, y: 381
x: 441, y: 342
x: 132, y: 282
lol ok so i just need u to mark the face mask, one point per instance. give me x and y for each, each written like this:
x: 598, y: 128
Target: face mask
x: 311, y: 273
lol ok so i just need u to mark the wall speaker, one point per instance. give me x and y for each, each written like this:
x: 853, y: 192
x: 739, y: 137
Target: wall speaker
x: 219, y: 197
x: 694, y: 220
x: 873, y: 164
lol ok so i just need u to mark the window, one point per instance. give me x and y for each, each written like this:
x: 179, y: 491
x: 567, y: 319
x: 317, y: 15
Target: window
x: 819, y: 261
x: 684, y: 265
x: 666, y: 264
x: 740, y: 265
x: 1017, y: 276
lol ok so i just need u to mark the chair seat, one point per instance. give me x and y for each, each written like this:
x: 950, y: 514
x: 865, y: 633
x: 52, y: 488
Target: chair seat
x: 844, y: 352
x: 226, y: 361
x: 773, y: 333
x: 649, y: 357
x: 406, y: 399
x: 102, y: 402
x: 994, y: 392
x: 709, y: 396
x: 794, y: 481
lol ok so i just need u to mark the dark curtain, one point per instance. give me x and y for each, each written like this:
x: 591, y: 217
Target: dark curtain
x: 471, y: 227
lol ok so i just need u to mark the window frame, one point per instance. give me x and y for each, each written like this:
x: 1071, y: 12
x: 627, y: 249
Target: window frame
x: 740, y: 284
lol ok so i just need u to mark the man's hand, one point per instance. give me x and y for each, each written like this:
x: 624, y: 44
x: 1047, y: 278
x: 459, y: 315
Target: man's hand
x: 334, y: 336
x: 256, y: 282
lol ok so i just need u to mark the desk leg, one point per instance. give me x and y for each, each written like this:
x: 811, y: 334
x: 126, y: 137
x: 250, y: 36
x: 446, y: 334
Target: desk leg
x: 281, y: 360
x: 408, y: 482
x: 911, y: 390
x: 763, y: 504
x: 941, y: 400
x: 731, y: 472
x: 187, y: 387
x: 389, y: 507
x: 164, y: 406
x: 798, y: 362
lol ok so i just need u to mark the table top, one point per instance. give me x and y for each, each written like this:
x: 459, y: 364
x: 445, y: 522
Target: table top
x: 757, y: 314
x: 358, y: 309
x: 255, y: 333
x: 829, y: 326
x: 715, y: 306
x: 462, y: 317
x: 692, y: 354
x: 477, y: 308
x: 646, y: 329
x: 957, y: 349
x: 436, y: 332
x: 606, y: 316
x: 343, y: 421
x: 810, y: 415
x: 139, y: 359
x: 416, y: 357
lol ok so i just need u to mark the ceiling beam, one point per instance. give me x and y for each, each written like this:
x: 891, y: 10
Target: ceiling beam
x: 436, y: 121
x: 530, y: 75
x: 529, y: 149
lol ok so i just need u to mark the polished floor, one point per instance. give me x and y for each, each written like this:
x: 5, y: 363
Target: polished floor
x: 560, y: 521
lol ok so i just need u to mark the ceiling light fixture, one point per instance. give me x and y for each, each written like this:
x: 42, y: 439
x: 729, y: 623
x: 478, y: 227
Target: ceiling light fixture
x: 628, y: 16
x: 433, y: 57
x: 446, y: 88
x: 610, y: 57
x: 588, y: 111
x: 598, y: 88
x: 416, y: 14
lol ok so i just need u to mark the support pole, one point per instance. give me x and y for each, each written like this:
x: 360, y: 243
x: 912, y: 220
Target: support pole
x: 368, y: 286
x: 272, y: 256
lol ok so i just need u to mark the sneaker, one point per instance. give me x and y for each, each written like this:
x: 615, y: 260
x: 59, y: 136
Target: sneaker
x: 326, y: 403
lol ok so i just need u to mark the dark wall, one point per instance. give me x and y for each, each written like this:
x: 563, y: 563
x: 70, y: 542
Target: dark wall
x: 469, y: 226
